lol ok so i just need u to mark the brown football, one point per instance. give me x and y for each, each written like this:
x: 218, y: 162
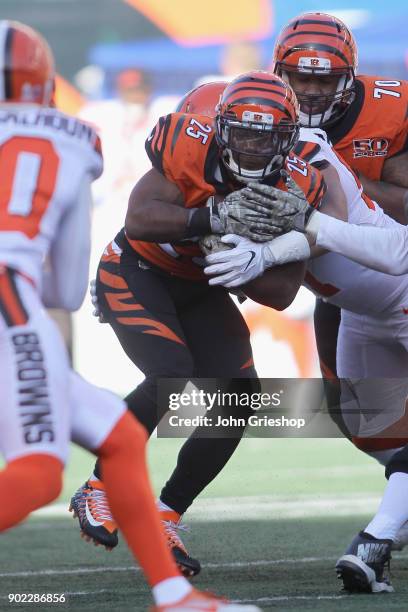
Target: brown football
x: 212, y: 243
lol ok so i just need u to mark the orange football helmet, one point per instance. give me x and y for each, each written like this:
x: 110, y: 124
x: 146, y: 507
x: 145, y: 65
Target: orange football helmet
x: 257, y: 124
x: 319, y: 45
x: 27, y: 65
x: 203, y: 99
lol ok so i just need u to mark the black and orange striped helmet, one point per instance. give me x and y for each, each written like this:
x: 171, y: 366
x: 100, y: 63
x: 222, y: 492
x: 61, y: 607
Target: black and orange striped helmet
x: 26, y: 65
x: 203, y: 99
x: 257, y: 124
x: 318, y: 45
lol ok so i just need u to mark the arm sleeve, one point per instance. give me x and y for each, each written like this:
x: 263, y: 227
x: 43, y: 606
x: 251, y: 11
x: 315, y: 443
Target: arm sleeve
x: 381, y: 248
x: 65, y: 281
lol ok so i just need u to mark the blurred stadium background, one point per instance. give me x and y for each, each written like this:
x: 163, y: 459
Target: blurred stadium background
x: 272, y: 525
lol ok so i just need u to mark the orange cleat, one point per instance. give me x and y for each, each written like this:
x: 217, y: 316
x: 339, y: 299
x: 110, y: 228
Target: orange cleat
x: 90, y: 506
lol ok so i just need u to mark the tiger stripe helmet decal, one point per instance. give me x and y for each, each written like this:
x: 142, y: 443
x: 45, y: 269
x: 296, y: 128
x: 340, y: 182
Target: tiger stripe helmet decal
x: 257, y: 124
x: 317, y: 44
x: 27, y: 68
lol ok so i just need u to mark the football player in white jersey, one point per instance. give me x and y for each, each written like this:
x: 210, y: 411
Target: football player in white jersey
x: 373, y: 337
x: 360, y: 291
x: 47, y: 163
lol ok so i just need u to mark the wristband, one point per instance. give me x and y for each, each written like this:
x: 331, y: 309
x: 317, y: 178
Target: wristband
x: 313, y: 225
x: 287, y: 248
x: 199, y: 223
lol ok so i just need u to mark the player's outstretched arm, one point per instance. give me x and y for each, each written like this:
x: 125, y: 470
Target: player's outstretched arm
x: 65, y: 280
x: 288, y: 211
x: 379, y: 248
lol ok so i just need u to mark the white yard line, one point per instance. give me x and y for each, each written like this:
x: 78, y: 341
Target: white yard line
x: 288, y: 598
x: 267, y: 507
x: 102, y: 569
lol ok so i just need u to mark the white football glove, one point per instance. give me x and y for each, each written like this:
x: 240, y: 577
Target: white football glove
x: 238, y: 265
x: 94, y: 299
x: 248, y: 260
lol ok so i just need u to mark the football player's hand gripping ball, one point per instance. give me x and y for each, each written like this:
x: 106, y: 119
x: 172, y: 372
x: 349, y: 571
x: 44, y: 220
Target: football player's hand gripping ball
x: 281, y: 211
x: 233, y: 215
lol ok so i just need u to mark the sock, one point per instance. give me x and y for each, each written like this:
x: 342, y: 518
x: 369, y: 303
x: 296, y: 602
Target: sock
x: 26, y: 484
x: 393, y: 510
x: 171, y: 590
x: 162, y: 507
x: 130, y: 497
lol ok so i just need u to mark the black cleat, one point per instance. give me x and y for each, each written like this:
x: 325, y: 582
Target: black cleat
x: 188, y: 566
x: 171, y: 521
x: 90, y: 506
x: 365, y: 566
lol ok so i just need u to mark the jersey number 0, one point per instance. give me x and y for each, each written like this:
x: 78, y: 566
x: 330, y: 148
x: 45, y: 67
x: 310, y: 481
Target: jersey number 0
x: 28, y: 173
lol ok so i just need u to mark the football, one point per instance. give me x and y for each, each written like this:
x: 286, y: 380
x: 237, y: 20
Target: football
x: 212, y: 244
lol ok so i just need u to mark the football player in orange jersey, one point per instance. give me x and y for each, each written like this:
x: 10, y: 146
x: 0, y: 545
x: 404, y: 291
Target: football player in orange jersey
x: 366, y: 121
x: 151, y: 287
x: 48, y: 161
x: 364, y: 116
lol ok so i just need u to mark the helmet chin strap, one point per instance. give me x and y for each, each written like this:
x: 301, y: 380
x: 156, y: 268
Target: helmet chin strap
x: 244, y: 179
x: 317, y: 120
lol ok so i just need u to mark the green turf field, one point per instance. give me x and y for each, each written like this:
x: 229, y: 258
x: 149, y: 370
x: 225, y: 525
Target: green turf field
x: 268, y: 530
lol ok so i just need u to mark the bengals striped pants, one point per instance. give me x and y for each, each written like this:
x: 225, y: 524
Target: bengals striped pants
x: 171, y: 327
